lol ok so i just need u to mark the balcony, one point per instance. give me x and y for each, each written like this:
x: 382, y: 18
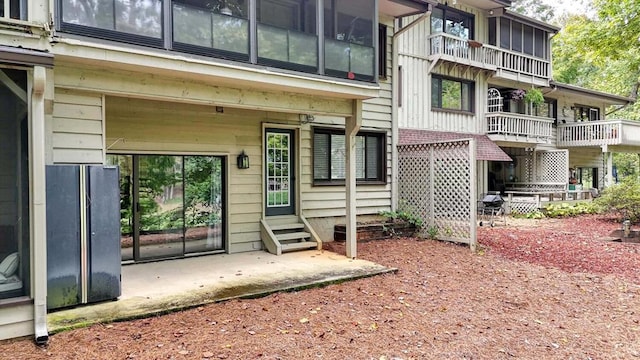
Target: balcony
x: 513, y: 127
x: 290, y: 35
x: 506, y: 64
x: 599, y: 133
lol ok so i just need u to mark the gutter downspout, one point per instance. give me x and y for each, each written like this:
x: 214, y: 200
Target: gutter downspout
x: 395, y: 70
x: 617, y: 109
x: 38, y: 211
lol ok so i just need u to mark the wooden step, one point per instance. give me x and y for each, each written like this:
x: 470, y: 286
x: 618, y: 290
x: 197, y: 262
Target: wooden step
x: 293, y: 236
x: 294, y: 226
x: 299, y: 246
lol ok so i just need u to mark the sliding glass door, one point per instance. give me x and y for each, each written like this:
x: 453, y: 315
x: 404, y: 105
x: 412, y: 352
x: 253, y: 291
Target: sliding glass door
x: 171, y: 205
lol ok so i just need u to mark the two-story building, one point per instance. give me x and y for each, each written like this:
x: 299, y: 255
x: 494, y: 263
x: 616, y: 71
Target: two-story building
x: 473, y: 67
x: 236, y: 125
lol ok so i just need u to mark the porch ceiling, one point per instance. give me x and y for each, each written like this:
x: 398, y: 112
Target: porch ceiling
x: 397, y: 8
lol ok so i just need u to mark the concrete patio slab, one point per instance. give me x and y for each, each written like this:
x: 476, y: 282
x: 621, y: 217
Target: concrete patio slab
x: 165, y: 286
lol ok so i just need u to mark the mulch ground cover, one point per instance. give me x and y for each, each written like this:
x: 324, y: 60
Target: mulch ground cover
x: 536, y: 289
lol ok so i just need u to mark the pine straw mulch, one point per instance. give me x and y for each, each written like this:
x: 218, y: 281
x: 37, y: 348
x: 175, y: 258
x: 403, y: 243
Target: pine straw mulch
x: 548, y: 289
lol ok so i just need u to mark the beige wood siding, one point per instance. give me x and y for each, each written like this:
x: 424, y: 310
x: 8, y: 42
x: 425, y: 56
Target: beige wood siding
x: 16, y: 321
x: 135, y: 126
x: 77, y: 128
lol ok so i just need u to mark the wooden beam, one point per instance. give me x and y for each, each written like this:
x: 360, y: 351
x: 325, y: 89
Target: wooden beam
x: 148, y: 86
x: 353, y: 124
x: 11, y: 85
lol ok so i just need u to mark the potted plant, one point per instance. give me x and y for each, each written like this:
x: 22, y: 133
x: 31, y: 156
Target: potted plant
x: 534, y: 97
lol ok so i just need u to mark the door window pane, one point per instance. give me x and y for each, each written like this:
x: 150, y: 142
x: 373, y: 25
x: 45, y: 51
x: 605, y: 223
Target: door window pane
x: 203, y: 203
x: 160, y: 202
x: 278, y: 170
x: 125, y: 164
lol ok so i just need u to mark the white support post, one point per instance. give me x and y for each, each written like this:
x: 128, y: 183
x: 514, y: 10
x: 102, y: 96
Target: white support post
x: 609, y: 156
x: 38, y: 205
x: 353, y: 124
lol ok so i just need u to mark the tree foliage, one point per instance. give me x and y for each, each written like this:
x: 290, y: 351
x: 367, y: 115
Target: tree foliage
x: 535, y: 9
x: 623, y: 198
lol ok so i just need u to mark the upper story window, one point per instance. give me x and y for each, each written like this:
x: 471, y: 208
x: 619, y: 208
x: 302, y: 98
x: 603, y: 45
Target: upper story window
x: 518, y: 37
x: 586, y: 113
x: 213, y: 27
x: 13, y: 9
x: 286, y: 33
x: 350, y: 28
x: 329, y: 156
x: 451, y: 94
x: 452, y: 21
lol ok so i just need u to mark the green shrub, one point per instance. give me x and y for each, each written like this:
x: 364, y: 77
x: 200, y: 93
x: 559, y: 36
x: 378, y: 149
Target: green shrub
x: 567, y: 210
x: 623, y: 198
x: 403, y: 214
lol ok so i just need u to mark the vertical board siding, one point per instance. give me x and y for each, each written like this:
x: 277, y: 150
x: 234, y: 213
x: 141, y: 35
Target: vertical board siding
x: 416, y: 111
x: 77, y: 136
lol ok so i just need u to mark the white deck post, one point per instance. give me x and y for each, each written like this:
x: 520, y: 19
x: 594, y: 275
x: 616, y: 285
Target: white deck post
x: 353, y: 124
x: 608, y: 180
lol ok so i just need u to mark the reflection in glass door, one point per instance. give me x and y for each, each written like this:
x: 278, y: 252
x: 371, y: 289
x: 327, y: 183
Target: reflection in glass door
x: 159, y: 207
x: 170, y: 205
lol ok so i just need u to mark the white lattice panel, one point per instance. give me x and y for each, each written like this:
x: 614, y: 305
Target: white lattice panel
x: 523, y: 205
x: 552, y: 166
x: 436, y: 182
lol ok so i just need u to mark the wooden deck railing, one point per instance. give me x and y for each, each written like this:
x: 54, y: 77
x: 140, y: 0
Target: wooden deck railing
x: 488, y: 56
x: 519, y: 125
x: 590, y: 133
x: 463, y: 50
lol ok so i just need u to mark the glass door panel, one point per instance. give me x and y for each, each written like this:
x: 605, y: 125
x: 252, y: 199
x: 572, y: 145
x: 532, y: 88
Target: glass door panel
x: 125, y: 163
x: 279, y: 178
x: 203, y: 185
x: 159, y: 206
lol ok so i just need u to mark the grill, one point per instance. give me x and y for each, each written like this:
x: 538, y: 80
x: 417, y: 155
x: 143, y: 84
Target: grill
x: 492, y: 201
x: 490, y: 209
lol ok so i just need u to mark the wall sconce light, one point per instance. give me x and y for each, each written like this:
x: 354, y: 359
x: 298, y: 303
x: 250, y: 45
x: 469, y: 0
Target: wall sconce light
x: 306, y: 118
x: 243, y: 161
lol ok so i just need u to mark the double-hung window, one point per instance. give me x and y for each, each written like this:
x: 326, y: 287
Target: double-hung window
x: 329, y: 156
x: 451, y: 94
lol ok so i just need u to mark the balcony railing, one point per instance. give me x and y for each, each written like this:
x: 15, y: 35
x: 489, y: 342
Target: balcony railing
x: 519, y: 127
x: 597, y: 133
x: 462, y: 50
x: 508, y: 63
